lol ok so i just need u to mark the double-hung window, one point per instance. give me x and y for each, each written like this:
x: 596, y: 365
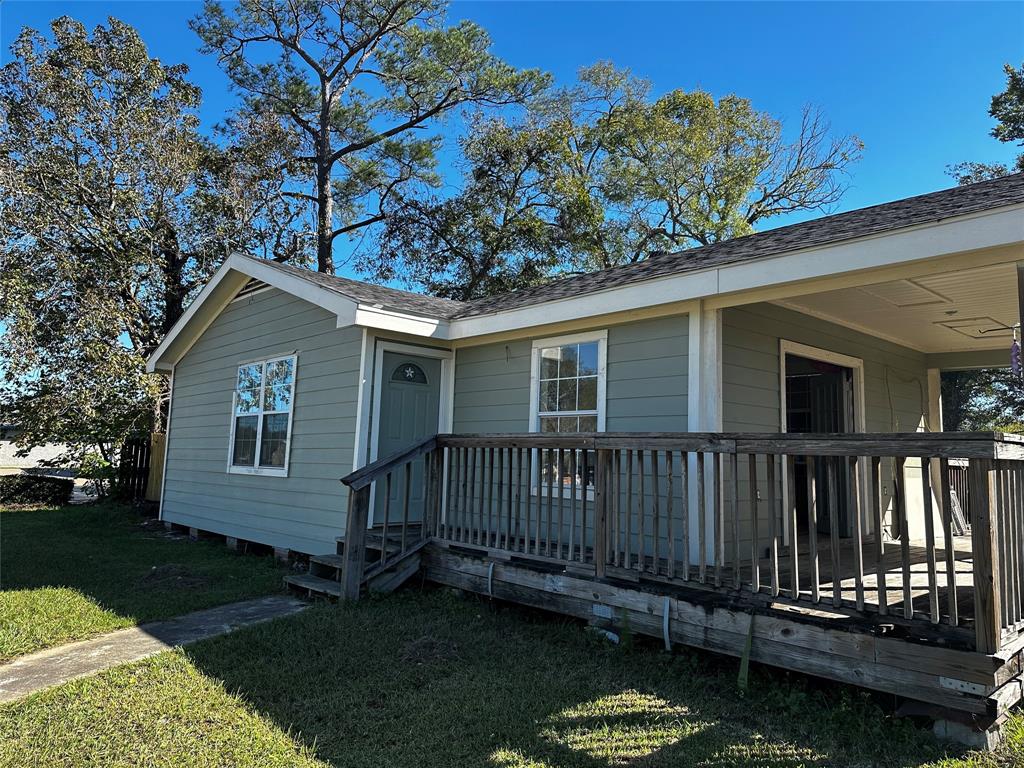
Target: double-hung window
x: 261, y: 423
x: 569, y: 396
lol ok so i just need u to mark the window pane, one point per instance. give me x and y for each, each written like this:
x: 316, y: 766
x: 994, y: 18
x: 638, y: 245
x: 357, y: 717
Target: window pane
x: 567, y: 365
x: 588, y: 359
x: 250, y: 376
x: 278, y: 398
x: 549, y: 424
x: 247, y: 401
x: 567, y: 394
x: 243, y: 453
x: 568, y: 424
x: 549, y: 363
x: 274, y: 440
x: 279, y: 372
x: 588, y: 423
x: 588, y: 394
x: 549, y: 395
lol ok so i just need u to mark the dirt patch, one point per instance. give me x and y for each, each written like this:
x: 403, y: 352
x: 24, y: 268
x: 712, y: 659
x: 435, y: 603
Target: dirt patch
x: 173, y: 576
x: 429, y: 650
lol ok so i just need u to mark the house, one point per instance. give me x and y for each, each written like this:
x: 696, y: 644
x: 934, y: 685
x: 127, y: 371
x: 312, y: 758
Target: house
x: 14, y: 460
x: 751, y: 428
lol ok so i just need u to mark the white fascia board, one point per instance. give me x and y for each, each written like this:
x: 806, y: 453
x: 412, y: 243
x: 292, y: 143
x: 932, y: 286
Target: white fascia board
x: 154, y: 362
x: 672, y: 290
x: 970, y: 233
x: 369, y: 316
x: 926, y: 241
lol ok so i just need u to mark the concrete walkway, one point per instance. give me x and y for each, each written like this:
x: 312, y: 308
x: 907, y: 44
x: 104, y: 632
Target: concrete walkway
x: 54, y: 666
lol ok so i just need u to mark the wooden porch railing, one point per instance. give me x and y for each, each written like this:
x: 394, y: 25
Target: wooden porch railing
x: 402, y: 529
x: 792, y: 517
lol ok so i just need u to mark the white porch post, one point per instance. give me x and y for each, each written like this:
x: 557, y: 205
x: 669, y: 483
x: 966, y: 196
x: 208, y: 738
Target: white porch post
x: 933, y: 416
x: 704, y: 414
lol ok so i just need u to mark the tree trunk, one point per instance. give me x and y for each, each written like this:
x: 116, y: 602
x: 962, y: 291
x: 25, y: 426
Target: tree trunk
x: 324, y: 221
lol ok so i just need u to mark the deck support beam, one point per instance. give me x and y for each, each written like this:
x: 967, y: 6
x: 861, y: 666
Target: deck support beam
x: 704, y: 413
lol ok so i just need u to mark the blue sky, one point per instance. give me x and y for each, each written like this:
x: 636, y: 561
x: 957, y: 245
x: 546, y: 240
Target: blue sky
x: 912, y: 80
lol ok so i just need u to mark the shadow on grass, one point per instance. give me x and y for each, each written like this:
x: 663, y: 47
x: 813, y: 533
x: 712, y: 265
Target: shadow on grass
x: 93, y: 568
x: 424, y: 679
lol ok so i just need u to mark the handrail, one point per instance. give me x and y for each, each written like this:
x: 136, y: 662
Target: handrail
x: 365, y: 475
x: 960, y: 445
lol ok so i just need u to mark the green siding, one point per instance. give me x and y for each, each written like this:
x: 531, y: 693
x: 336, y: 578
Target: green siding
x: 895, y: 385
x: 306, y: 510
x: 646, y: 381
x: 750, y: 369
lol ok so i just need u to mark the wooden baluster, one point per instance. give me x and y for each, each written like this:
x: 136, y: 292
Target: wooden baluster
x: 718, y: 508
x: 702, y: 524
x: 471, y: 510
x: 550, y: 500
x: 529, y: 497
x: 988, y: 621
x: 684, y: 496
x: 812, y: 529
x: 519, y: 503
x: 879, y: 521
x: 585, y: 456
x: 628, y: 506
x: 387, y: 512
x: 572, y: 506
x: 773, y: 525
x: 1002, y: 531
x: 947, y: 537
x: 540, y: 498
x: 449, y: 495
x: 613, y: 509
x: 929, y: 539
x: 670, y: 513
x: 489, y: 503
x: 833, y: 530
x: 641, y: 563
x: 499, y: 496
x: 509, y: 543
x: 601, y: 480
x: 854, y: 503
x: 656, y: 516
x: 1015, y: 512
x: 561, y: 501
x: 405, y: 504
x: 794, y: 527
x: 899, y: 488
x: 755, y: 525
x: 734, y: 506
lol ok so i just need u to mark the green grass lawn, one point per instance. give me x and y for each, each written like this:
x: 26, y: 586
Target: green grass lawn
x: 427, y: 679
x: 76, y: 571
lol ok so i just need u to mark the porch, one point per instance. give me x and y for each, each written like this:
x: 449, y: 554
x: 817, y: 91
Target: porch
x: 722, y: 542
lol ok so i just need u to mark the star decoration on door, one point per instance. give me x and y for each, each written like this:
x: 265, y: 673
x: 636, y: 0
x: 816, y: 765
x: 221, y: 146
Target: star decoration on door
x: 409, y: 373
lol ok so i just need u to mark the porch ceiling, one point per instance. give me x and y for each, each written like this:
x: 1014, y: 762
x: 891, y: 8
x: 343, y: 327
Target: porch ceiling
x: 956, y: 311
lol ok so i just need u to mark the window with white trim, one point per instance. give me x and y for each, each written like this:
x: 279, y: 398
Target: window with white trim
x: 568, y: 397
x: 262, y: 417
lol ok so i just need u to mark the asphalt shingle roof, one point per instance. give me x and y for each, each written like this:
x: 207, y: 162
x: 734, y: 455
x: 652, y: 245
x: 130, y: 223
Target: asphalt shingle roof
x: 828, y: 230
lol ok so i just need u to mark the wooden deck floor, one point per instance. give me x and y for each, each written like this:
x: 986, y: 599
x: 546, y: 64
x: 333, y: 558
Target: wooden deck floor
x: 892, y: 572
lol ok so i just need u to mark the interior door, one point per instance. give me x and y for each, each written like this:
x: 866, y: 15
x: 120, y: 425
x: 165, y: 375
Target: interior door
x: 410, y: 397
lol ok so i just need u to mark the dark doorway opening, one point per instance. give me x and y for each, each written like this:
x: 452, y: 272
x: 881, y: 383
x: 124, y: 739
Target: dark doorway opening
x: 819, y: 399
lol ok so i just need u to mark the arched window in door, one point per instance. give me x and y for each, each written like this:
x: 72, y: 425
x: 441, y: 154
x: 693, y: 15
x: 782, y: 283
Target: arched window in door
x: 409, y: 373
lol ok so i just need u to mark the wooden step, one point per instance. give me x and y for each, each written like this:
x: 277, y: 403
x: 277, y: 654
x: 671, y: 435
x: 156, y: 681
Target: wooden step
x: 328, y: 561
x: 395, y: 576
x: 313, y: 585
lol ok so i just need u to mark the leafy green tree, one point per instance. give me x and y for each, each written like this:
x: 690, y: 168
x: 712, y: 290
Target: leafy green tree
x: 355, y: 83
x: 602, y: 174
x: 114, y: 210
x: 982, y: 400
x: 1007, y: 108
